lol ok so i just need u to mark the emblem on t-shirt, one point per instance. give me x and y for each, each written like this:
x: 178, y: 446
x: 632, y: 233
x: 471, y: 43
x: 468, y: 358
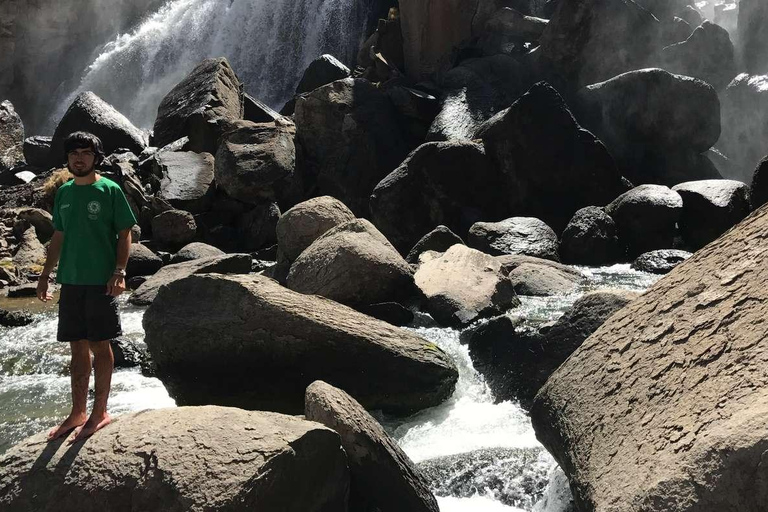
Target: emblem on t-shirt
x: 94, y: 207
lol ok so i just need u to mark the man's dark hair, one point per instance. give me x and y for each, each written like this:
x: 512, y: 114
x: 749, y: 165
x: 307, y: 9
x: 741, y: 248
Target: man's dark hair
x: 84, y: 140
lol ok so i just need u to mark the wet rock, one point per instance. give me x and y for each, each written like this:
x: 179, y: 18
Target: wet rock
x: 432, y: 187
x: 187, y: 179
x: 142, y: 261
x: 542, y: 280
x: 351, y: 140
x: 92, y: 114
x: 134, y: 282
x: 257, y: 459
x: 463, y: 285
x: 390, y: 312
x: 227, y: 264
x: 538, y: 181
x: 305, y: 222
x: 256, y: 228
x: 206, y: 351
x: 645, y: 217
x: 758, y: 192
x: 679, y: 355
x: 321, y: 71
x: 22, y: 291
x: 516, y: 235
x: 200, y: 107
x: 707, y: 54
x: 127, y: 353
x: 15, y: 318
x: 353, y: 264
x: 710, y: 208
x: 383, y: 477
x: 256, y: 162
x: 662, y: 261
x: 590, y: 238
x: 11, y: 137
x: 174, y: 228
x: 439, y: 239
x: 752, y: 37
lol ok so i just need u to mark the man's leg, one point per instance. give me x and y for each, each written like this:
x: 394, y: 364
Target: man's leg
x: 80, y: 374
x: 103, y: 362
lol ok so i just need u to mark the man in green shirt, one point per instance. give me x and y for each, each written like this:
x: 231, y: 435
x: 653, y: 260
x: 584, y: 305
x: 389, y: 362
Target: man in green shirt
x: 92, y: 237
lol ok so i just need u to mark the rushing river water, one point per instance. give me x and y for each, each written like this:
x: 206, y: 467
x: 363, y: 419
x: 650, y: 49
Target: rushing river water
x: 481, y: 456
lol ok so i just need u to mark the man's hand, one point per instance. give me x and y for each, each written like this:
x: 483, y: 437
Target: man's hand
x: 42, y: 289
x: 116, y: 286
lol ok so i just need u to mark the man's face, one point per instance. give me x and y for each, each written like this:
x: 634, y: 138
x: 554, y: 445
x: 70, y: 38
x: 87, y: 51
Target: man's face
x: 81, y: 162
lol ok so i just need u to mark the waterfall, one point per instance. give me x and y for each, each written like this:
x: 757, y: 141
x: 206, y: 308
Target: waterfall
x: 268, y: 42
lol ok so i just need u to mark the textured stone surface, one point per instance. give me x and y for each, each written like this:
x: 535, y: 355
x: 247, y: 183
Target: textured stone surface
x: 189, y: 458
x: 661, y: 261
x: 174, y: 228
x: 196, y: 251
x: 321, y: 71
x: 30, y: 253
x: 305, y: 222
x: 542, y: 280
x: 246, y: 341
x: 758, y: 192
x: 383, y: 477
x: 11, y: 137
x: 590, y: 238
x: 187, y: 179
x: 516, y: 235
x: 665, y: 406
x: 142, y: 261
x: 439, y: 239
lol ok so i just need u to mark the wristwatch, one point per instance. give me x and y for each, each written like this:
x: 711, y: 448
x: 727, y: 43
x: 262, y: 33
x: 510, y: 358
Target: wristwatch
x: 119, y: 272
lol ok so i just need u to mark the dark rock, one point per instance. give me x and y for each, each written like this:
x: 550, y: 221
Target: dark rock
x: 22, y: 291
x: 516, y: 235
x: 645, y: 218
x: 661, y: 261
x: 256, y: 460
x: 513, y: 23
x: 383, y: 477
x: 257, y: 111
x: 590, y: 239
x: 432, y: 187
x: 256, y: 228
x: 587, y: 41
x: 542, y: 280
x: 417, y: 110
x: 187, y: 179
x: 142, y: 261
x: 11, y: 137
x: 350, y: 138
x: 174, y: 228
x: 127, y: 353
x: 15, y: 318
x: 92, y: 114
x: 353, y: 264
x: 304, y: 223
x: 710, y: 208
x: 463, y: 285
x: 541, y: 181
x: 707, y: 54
x: 256, y: 162
x: 206, y: 351
x: 758, y: 192
x: 200, y: 107
x: 390, y: 312
x: 136, y: 281
x: 752, y: 36
x: 439, y: 239
x: 37, y: 217
x: 322, y: 71
x: 227, y: 264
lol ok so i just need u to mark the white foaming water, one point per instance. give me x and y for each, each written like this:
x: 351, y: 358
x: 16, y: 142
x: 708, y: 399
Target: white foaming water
x: 473, y: 504
x: 268, y: 42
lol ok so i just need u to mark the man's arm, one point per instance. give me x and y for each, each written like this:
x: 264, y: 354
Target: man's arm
x: 116, y: 284
x: 54, y: 251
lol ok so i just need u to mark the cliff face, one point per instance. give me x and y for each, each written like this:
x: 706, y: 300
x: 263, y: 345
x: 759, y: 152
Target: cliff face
x: 46, y: 44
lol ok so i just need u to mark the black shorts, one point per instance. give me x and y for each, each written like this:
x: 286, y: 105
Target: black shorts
x: 86, y: 312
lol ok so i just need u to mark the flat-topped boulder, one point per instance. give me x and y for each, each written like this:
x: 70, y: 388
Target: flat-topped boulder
x: 187, y: 179
x: 248, y: 342
x: 665, y: 406
x: 151, y: 461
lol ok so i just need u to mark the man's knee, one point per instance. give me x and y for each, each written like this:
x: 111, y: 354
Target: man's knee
x: 101, y: 349
x: 81, y: 356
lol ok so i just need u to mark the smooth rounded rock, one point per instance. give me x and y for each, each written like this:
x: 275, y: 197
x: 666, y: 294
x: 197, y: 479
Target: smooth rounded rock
x: 590, y: 238
x: 662, y: 261
x: 517, y: 235
x: 298, y: 227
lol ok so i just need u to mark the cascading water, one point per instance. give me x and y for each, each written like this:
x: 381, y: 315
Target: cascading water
x: 268, y: 42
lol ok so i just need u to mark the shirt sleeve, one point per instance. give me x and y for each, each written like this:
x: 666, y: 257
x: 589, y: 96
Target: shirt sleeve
x: 123, y: 215
x: 57, y: 224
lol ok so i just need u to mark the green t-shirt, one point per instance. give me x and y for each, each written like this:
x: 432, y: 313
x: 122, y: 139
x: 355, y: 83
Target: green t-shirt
x: 90, y: 217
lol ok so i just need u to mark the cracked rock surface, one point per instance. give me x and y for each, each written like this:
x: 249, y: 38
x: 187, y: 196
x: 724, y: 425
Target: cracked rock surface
x: 665, y: 407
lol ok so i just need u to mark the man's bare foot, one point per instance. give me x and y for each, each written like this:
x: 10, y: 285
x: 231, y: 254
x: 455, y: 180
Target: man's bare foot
x: 93, y: 424
x: 74, y: 420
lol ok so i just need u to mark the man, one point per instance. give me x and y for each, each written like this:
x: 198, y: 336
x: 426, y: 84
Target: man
x: 92, y: 222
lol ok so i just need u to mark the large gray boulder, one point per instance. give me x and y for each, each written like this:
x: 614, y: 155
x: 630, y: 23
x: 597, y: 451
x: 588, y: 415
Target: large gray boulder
x: 710, y: 208
x: 174, y: 228
x: 200, y: 107
x: 246, y: 341
x: 92, y: 114
x: 661, y: 261
x: 30, y: 253
x: 664, y: 406
x: 11, y: 137
x: 321, y: 71
x: 382, y: 475
x: 187, y: 179
x: 298, y: 227
x: 590, y: 238
x: 151, y: 461
x: 350, y: 139
x: 36, y: 150
x: 142, y: 261
x: 230, y: 263
x: 543, y: 280
x: 196, y: 251
x: 353, y: 264
x: 516, y: 235
x: 39, y: 218
x: 463, y: 285
x: 256, y: 162
x: 540, y: 181
x: 646, y: 218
